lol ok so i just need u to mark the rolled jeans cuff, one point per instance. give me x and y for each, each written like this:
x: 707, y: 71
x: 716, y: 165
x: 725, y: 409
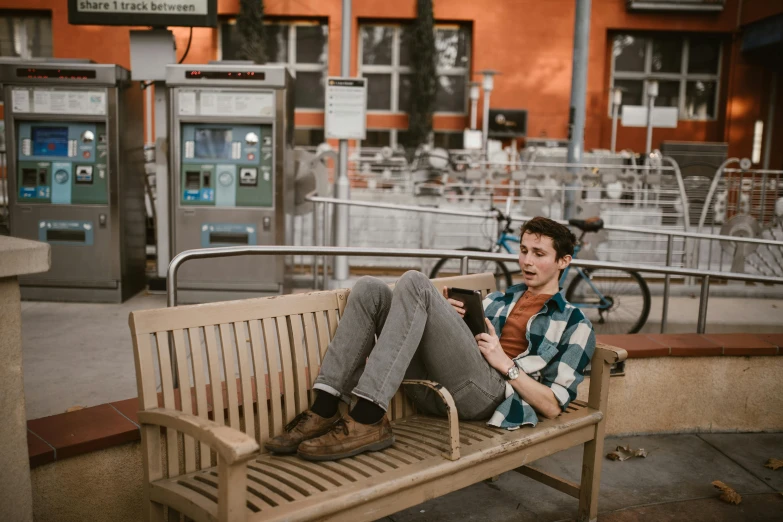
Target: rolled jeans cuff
x: 332, y: 391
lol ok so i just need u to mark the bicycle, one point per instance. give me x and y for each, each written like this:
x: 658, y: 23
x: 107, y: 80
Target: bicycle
x: 615, y: 301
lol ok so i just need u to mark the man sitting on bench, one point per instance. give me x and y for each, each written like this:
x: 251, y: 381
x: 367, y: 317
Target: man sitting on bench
x: 530, y: 362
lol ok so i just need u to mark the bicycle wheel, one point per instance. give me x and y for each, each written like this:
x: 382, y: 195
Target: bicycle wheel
x: 627, y: 295
x: 450, y: 267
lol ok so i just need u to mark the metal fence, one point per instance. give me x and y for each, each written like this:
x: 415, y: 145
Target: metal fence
x: 706, y: 277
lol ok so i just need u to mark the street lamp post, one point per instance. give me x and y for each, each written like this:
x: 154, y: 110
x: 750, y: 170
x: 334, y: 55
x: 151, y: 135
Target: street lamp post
x: 652, y: 93
x: 475, y: 90
x: 488, y: 83
x: 617, y: 100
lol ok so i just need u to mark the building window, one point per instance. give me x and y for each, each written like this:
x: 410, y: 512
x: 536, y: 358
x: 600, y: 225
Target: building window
x: 384, y: 59
x: 687, y: 69
x: 302, y: 46
x: 26, y: 36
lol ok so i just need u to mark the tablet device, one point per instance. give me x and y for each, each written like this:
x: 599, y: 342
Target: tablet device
x: 474, y: 309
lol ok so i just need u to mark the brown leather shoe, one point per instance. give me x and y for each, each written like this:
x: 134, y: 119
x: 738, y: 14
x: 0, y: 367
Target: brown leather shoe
x: 306, y: 425
x: 348, y: 438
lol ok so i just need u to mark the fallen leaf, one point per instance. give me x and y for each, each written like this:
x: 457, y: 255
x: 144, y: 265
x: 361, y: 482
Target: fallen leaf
x: 625, y: 453
x: 727, y: 493
x: 774, y: 464
x: 74, y: 408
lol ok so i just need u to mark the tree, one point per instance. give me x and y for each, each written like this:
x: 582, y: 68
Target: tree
x: 250, y: 26
x: 423, y: 86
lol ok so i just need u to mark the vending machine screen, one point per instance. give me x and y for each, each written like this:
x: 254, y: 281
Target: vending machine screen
x: 50, y: 141
x: 213, y: 143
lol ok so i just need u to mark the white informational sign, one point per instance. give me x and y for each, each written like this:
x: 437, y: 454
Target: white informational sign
x: 56, y: 101
x: 215, y: 103
x: 346, y: 108
x: 662, y: 117
x: 472, y: 139
x: 20, y: 100
x: 187, y: 103
x: 157, y: 7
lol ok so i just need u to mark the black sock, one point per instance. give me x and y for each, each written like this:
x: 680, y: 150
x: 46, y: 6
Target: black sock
x: 325, y: 404
x: 366, y: 412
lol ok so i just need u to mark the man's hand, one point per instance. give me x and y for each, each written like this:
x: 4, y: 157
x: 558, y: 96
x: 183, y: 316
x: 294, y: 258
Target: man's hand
x: 457, y: 305
x: 489, y: 344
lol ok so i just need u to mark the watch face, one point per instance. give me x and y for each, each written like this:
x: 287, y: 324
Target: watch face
x: 513, y: 373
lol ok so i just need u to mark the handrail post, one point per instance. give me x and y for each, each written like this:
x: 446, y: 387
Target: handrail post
x: 667, y: 283
x: 463, y: 265
x: 324, y: 242
x: 703, y: 297
x: 314, y: 258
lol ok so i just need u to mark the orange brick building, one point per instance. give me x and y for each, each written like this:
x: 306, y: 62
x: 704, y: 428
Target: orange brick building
x: 716, y: 60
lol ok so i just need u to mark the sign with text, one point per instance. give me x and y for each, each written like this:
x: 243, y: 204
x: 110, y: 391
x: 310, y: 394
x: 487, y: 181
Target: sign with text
x: 346, y: 108
x: 187, y: 13
x: 662, y: 117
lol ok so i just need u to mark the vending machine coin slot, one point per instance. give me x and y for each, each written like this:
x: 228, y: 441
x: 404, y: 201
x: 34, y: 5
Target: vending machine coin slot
x: 192, y: 180
x: 207, y: 180
x: 248, y: 177
x: 29, y: 177
x: 42, y: 177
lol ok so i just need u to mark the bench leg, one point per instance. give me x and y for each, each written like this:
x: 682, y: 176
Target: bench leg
x: 154, y: 512
x: 591, y: 477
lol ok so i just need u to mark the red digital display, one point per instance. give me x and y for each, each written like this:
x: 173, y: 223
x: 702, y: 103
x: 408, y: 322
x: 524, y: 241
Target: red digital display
x: 224, y: 75
x: 60, y: 74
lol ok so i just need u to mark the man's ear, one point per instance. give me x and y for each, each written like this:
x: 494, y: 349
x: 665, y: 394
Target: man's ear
x: 564, y: 262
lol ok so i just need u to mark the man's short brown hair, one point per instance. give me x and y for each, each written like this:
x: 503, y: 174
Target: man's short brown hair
x: 562, y: 238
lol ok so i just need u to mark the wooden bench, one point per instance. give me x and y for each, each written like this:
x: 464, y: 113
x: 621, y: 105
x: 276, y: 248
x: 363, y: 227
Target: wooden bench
x: 203, y: 449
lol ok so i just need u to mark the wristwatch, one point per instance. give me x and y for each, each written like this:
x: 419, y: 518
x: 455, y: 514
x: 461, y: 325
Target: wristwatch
x: 512, y: 373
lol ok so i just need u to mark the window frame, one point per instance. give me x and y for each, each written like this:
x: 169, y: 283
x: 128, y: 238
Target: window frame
x: 290, y: 62
x: 24, y: 15
x: 683, y: 77
x: 396, y: 70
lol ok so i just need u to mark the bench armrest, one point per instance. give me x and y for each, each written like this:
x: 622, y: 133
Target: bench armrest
x: 609, y: 354
x: 233, y: 446
x: 451, y: 410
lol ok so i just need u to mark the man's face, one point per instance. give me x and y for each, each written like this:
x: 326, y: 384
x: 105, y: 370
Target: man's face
x: 537, y: 259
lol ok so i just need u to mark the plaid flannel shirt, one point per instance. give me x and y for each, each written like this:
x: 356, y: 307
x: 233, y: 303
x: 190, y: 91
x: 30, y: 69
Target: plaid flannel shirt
x: 561, y: 344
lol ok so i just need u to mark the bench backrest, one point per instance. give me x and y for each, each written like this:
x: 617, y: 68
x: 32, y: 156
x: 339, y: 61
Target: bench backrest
x: 258, y: 356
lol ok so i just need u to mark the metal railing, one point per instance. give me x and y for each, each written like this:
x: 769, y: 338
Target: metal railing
x: 464, y: 257
x: 320, y: 237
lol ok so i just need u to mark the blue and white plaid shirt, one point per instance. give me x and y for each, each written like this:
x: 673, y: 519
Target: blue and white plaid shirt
x: 561, y: 343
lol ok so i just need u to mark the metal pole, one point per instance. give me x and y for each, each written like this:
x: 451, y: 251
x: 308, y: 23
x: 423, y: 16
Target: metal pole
x: 576, y: 117
x: 342, y: 185
x: 463, y: 266
x: 162, y: 218
x: 652, y: 92
x: 617, y: 100
x: 485, y: 122
x: 667, y: 283
x: 703, y: 297
x: 773, y: 92
x: 315, y: 243
x: 325, y: 241
x: 474, y: 97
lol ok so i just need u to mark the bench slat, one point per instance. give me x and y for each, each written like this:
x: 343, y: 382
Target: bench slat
x: 295, y: 340
x: 197, y: 363
x: 184, y: 396
x: 246, y: 378
x: 229, y: 368
x: 313, y: 361
x: 167, y: 387
x: 273, y: 366
x: 259, y: 357
x: 289, y: 400
x: 216, y: 383
x: 148, y: 399
x: 293, y: 479
x: 323, y: 333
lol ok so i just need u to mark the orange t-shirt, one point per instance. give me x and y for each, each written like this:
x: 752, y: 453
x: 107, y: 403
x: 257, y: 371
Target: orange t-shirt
x: 513, y: 340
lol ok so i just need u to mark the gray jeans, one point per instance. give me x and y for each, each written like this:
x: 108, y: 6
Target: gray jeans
x: 419, y: 336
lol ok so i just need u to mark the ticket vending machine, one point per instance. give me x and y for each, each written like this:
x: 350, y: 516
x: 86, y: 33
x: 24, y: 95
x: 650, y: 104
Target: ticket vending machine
x: 232, y: 171
x: 75, y: 171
